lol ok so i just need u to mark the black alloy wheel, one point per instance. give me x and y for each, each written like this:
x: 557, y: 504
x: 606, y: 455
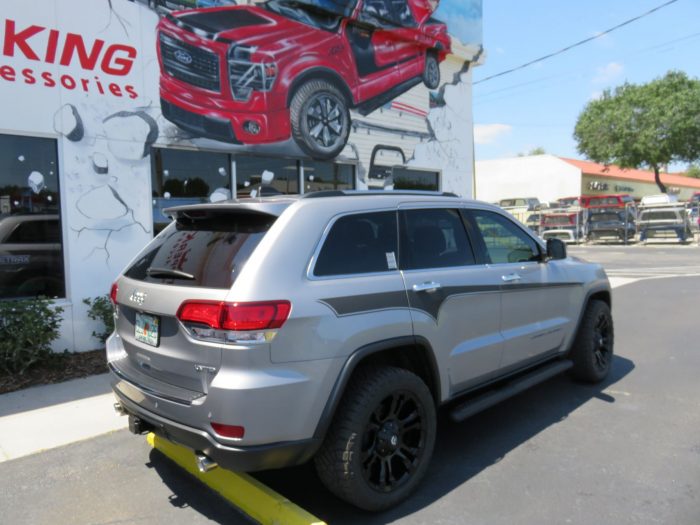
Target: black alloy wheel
x: 393, y: 441
x: 379, y: 444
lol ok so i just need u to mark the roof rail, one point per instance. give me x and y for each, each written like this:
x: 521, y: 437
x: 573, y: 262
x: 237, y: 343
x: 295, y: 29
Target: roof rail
x: 365, y: 193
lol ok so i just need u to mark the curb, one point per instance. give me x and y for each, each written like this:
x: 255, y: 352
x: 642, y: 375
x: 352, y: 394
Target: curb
x: 259, y: 502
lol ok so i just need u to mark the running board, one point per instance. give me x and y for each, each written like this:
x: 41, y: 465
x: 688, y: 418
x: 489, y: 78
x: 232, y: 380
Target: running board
x: 508, y: 389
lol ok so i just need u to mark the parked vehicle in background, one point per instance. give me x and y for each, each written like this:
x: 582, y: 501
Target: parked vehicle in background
x: 534, y: 222
x: 610, y: 224
x: 661, y: 198
x: 606, y: 201
x: 695, y: 199
x: 261, y: 333
x: 520, y: 207
x: 663, y: 221
x: 564, y: 224
x: 31, y: 258
x: 568, y: 202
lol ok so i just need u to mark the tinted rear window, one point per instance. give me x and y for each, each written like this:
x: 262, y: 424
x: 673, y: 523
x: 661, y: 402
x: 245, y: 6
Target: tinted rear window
x: 211, y: 249
x: 660, y: 216
x: 360, y: 243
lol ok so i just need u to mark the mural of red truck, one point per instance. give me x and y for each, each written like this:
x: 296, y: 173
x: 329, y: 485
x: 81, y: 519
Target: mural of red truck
x: 262, y: 74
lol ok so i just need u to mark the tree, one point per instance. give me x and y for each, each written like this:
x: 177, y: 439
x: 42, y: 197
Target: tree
x: 693, y: 171
x: 643, y: 126
x: 539, y: 150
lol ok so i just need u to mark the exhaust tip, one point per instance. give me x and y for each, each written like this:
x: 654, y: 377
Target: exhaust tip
x: 205, y: 463
x: 119, y: 409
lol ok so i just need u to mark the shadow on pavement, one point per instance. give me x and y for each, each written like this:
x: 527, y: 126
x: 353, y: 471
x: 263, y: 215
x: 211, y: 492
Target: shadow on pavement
x: 462, y: 450
x: 189, y: 492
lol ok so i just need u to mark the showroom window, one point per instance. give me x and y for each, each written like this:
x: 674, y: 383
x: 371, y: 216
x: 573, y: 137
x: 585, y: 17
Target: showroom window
x: 182, y: 177
x: 320, y: 176
x: 31, y: 251
x: 408, y: 179
x: 256, y: 176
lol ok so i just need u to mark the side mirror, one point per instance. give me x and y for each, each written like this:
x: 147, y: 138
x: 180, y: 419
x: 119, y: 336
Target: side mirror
x: 556, y: 249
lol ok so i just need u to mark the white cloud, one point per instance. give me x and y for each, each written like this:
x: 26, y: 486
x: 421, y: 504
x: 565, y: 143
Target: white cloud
x: 609, y: 73
x: 490, y: 133
x: 596, y: 95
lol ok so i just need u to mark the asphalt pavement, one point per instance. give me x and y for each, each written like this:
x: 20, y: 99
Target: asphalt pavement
x: 624, y: 452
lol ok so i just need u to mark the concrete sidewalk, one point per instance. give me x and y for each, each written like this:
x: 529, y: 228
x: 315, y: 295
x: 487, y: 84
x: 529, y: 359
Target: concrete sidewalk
x: 45, y: 417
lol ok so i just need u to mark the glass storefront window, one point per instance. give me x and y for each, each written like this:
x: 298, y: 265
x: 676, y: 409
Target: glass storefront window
x: 319, y: 176
x: 182, y: 177
x: 31, y: 251
x: 267, y: 175
x: 408, y: 179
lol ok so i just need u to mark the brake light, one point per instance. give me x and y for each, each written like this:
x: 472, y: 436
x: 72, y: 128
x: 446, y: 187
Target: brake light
x: 229, y: 431
x: 113, y: 293
x: 234, y: 322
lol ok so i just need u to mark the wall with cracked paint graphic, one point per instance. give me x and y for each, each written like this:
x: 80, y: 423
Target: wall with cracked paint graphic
x: 87, y: 73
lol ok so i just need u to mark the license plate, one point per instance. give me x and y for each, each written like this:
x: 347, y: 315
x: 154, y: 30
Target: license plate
x: 147, y: 329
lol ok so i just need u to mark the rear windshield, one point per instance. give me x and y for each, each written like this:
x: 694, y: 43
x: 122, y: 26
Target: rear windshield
x: 604, y: 201
x: 603, y: 217
x: 209, y: 251
x: 561, y: 220
x: 660, y: 216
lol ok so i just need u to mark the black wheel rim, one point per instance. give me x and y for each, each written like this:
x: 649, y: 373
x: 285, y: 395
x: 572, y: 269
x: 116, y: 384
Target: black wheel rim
x: 433, y: 72
x: 602, y: 342
x: 393, y: 441
x: 325, y: 120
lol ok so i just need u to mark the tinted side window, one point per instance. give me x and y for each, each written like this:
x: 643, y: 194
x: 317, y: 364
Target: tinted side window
x: 35, y: 232
x: 504, y: 241
x: 434, y: 238
x: 361, y: 243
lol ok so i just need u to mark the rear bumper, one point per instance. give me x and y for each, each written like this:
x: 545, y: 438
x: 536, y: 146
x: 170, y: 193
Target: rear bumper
x: 242, y: 459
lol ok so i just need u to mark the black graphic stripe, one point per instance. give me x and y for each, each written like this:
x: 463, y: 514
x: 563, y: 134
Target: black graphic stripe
x: 428, y: 302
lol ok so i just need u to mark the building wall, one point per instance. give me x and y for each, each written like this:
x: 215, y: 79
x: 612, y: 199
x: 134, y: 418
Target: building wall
x: 597, y: 185
x: 103, y: 110
x: 543, y: 176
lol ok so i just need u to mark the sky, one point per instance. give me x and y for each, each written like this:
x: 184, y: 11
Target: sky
x: 538, y: 106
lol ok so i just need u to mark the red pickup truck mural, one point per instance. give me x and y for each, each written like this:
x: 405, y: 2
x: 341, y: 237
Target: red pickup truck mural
x: 265, y: 73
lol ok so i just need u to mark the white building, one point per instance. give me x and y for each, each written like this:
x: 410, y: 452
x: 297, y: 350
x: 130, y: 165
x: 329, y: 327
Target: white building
x: 550, y: 178
x: 88, y: 161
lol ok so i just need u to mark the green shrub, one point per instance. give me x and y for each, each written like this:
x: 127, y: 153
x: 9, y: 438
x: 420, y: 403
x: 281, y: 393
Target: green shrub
x: 101, y: 310
x: 27, y: 329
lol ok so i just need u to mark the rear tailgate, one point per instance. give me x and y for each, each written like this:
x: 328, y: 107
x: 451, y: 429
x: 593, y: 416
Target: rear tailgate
x: 196, y: 258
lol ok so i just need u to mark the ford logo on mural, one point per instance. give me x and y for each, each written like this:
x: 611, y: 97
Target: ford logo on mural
x: 183, y: 57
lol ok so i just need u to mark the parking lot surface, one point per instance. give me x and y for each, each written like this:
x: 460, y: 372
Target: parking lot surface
x: 624, y: 452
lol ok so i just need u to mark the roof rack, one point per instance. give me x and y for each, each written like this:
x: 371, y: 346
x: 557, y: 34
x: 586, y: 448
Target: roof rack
x: 364, y: 193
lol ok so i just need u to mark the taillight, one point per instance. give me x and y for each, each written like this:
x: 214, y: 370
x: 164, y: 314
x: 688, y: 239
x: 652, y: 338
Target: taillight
x: 113, y: 293
x: 234, y: 322
x: 229, y: 431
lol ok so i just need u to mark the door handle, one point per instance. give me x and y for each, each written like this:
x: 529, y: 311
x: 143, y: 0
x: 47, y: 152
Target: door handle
x: 427, y: 287
x: 511, y: 277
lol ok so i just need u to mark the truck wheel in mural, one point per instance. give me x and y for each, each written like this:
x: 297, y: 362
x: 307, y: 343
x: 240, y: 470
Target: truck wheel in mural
x: 431, y: 73
x: 320, y: 119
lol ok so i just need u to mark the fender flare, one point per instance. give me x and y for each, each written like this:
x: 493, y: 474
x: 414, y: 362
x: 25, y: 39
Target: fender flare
x: 355, y: 359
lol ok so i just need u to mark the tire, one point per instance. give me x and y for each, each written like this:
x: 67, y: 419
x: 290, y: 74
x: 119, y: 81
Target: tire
x: 592, y: 352
x: 431, y: 73
x: 367, y: 458
x: 319, y: 108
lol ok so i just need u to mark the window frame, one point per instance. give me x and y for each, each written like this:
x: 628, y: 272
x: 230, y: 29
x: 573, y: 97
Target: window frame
x: 311, y: 267
x: 62, y: 212
x: 479, y: 244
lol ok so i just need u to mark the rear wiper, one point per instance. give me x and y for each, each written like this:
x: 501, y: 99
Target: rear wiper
x: 168, y: 272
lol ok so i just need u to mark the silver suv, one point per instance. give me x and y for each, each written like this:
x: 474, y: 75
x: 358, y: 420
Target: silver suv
x: 261, y: 333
